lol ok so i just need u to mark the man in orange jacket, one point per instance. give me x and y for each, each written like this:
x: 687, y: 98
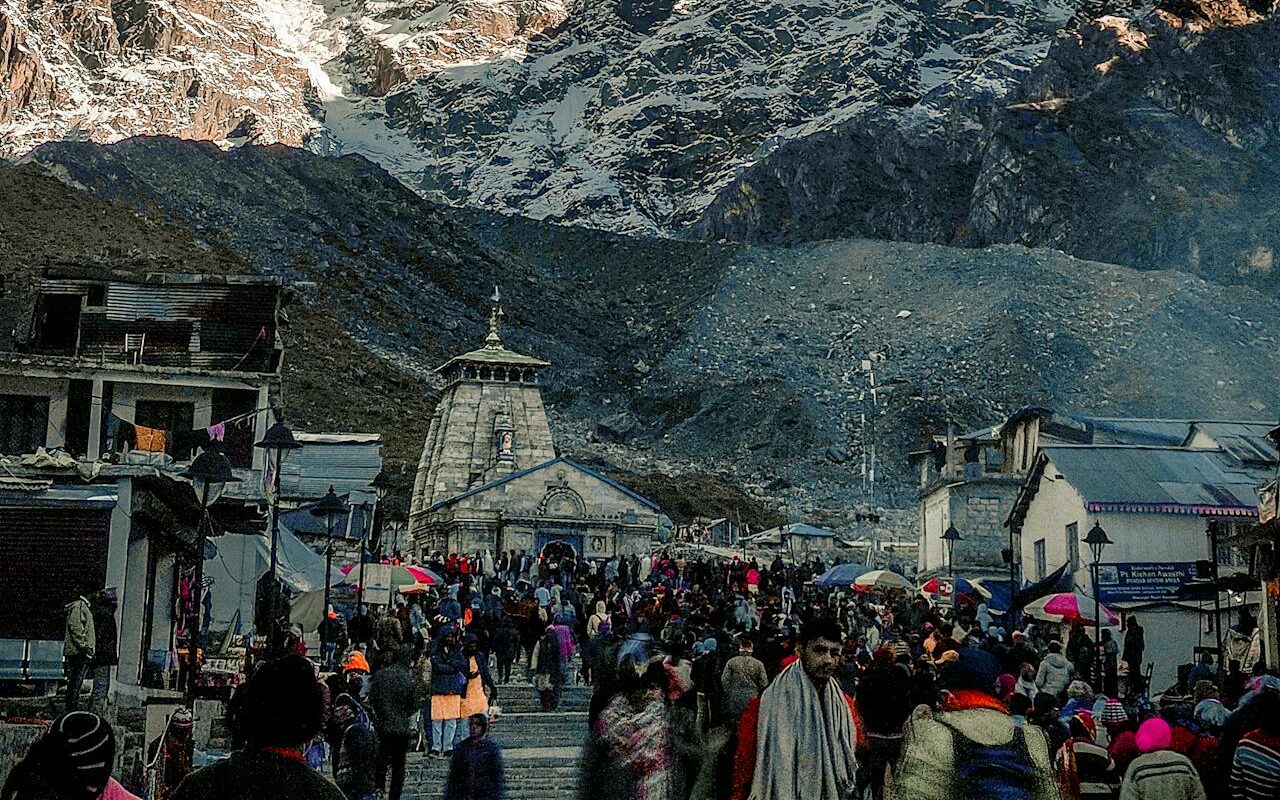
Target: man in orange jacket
x: 802, y: 717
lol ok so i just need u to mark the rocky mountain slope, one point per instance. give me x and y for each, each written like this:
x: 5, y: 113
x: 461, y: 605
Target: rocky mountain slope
x: 1148, y: 141
x: 730, y: 362
x: 107, y: 69
x: 629, y: 115
x: 1130, y: 132
x: 1144, y: 138
x: 632, y: 115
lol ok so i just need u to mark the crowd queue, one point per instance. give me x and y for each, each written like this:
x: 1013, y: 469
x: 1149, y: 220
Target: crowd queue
x: 713, y: 680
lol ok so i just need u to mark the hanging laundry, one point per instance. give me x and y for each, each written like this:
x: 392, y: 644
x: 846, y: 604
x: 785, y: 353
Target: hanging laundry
x: 151, y: 440
x: 217, y: 433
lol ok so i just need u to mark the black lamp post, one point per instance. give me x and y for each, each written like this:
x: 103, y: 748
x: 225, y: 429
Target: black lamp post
x: 366, y: 542
x: 210, y: 472
x: 382, y: 486
x: 278, y: 439
x: 949, y: 537
x: 329, y: 507
x: 1097, y: 539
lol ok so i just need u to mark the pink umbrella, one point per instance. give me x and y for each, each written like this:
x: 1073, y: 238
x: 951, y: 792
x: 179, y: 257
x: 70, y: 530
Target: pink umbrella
x: 1069, y: 607
x: 401, y: 575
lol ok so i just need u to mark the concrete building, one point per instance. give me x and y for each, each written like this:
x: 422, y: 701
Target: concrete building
x: 106, y: 393
x: 490, y: 478
x: 963, y: 483
x: 1156, y: 504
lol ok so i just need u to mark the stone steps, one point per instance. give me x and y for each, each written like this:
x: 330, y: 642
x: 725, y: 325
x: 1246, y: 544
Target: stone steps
x: 540, y: 730
x: 530, y: 773
x: 523, y: 698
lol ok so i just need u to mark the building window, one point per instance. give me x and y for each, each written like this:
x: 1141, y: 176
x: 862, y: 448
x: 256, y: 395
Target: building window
x: 1073, y: 546
x: 24, y: 420
x: 1040, y: 560
x: 175, y: 419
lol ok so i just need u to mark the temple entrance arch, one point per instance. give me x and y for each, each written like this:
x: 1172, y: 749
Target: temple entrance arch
x: 558, y: 547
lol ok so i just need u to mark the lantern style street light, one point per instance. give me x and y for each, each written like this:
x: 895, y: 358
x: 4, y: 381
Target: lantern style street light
x: 329, y: 507
x: 1097, y: 539
x: 210, y: 472
x: 949, y: 537
x: 277, y: 440
x: 382, y: 486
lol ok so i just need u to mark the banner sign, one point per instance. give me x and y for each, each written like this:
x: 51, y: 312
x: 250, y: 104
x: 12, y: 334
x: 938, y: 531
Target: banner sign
x: 1267, y: 502
x: 377, y: 583
x: 1136, y: 581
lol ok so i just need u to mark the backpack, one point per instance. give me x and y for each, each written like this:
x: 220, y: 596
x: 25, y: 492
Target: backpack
x: 993, y: 772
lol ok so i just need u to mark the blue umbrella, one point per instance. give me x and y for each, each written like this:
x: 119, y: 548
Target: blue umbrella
x: 841, y: 575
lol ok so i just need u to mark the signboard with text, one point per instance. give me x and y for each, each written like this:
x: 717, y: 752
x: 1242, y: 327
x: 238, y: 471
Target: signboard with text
x: 1137, y: 581
x: 377, y: 583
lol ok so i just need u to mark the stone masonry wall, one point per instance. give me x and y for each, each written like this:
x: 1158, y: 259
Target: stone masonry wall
x: 978, y: 510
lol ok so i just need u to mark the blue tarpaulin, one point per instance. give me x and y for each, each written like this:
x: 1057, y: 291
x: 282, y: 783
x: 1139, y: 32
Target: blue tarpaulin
x: 1000, y: 594
x: 841, y: 575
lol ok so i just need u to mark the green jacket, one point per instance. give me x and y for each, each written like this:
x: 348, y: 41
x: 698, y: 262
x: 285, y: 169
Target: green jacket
x: 926, y: 767
x: 79, y: 637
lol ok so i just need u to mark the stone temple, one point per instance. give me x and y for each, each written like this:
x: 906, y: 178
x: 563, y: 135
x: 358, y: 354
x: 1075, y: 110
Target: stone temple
x: 491, y: 479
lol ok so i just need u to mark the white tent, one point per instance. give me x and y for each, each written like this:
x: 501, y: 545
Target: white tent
x: 242, y: 560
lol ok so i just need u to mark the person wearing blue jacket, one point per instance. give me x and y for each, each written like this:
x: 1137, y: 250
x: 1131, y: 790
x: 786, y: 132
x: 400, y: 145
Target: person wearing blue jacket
x: 448, y: 685
x: 475, y: 773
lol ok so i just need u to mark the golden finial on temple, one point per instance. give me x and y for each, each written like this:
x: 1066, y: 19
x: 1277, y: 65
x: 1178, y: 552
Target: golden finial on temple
x: 494, y: 339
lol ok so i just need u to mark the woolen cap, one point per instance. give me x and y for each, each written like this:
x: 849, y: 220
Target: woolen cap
x: 1114, y: 711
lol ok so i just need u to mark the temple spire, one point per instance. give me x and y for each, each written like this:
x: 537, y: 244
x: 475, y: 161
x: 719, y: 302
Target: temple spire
x: 493, y: 340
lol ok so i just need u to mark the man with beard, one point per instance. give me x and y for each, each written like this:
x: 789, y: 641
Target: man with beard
x: 801, y: 718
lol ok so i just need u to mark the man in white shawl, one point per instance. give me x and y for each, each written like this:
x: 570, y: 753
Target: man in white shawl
x: 799, y: 739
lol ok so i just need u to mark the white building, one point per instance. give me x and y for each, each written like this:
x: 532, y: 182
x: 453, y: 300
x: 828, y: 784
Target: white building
x: 1156, y: 504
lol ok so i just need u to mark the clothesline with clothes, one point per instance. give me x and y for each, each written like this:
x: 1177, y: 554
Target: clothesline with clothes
x: 122, y: 432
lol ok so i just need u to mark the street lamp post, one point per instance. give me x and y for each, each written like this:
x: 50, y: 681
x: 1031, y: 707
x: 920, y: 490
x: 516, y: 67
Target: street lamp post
x: 278, y: 439
x: 329, y: 507
x: 1214, y: 531
x: 382, y: 486
x: 949, y: 538
x: 1097, y: 539
x: 366, y: 543
x: 210, y: 472
x: 1014, y: 557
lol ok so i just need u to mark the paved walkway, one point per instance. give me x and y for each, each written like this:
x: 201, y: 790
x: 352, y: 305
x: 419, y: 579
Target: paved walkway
x: 542, y: 752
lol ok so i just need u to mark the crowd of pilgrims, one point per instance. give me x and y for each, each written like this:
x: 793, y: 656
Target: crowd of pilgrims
x: 716, y: 679
x: 678, y: 651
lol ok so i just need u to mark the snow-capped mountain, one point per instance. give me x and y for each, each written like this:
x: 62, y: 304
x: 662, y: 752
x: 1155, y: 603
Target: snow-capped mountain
x: 632, y: 115
x: 629, y: 115
x: 105, y: 70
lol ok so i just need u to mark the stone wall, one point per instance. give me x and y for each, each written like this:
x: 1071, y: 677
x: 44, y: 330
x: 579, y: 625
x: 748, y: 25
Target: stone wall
x: 15, y: 740
x: 558, y: 499
x: 978, y: 510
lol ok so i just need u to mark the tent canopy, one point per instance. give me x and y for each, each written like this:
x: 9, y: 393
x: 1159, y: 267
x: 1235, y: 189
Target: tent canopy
x: 240, y: 561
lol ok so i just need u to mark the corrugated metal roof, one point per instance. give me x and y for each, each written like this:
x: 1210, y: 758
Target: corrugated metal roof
x: 77, y: 496
x: 348, y: 467
x: 1126, y: 430
x: 1247, y: 442
x: 800, y: 529
x: 338, y: 438
x: 1159, y: 479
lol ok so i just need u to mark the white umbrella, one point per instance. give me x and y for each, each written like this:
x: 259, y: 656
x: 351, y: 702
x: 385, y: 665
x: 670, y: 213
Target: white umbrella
x: 883, y: 579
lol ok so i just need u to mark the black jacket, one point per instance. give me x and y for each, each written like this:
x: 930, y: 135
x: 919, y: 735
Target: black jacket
x: 475, y: 773
x: 394, y: 695
x: 106, y: 651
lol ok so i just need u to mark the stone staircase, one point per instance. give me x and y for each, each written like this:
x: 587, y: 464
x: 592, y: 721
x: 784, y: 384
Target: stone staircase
x: 542, y: 752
